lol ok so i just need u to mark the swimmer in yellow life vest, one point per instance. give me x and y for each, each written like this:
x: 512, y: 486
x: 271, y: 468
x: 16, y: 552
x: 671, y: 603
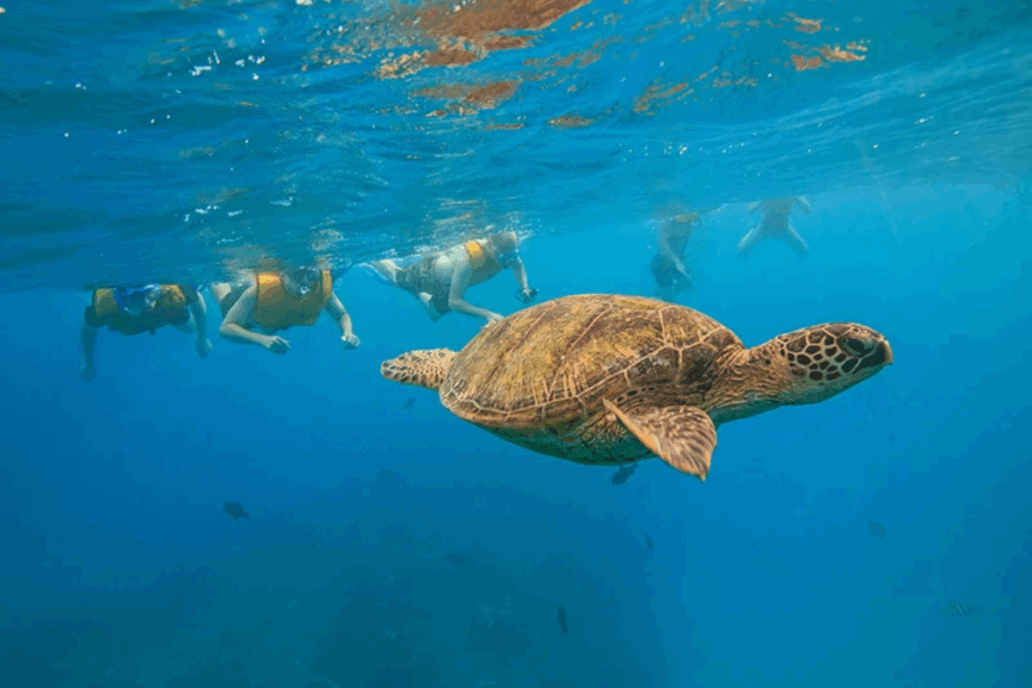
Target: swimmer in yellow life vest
x: 135, y: 310
x: 775, y: 225
x: 273, y: 301
x: 440, y: 280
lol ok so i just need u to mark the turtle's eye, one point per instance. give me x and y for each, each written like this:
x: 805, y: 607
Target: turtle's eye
x: 858, y: 347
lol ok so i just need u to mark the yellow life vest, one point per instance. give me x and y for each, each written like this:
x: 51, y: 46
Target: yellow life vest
x: 169, y: 309
x: 484, y: 265
x: 477, y: 255
x: 275, y: 309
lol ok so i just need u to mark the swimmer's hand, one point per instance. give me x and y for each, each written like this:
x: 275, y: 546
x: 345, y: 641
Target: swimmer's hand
x: 350, y: 341
x: 527, y: 295
x: 88, y: 372
x: 679, y: 266
x: 204, y: 348
x: 277, y: 345
x: 492, y: 318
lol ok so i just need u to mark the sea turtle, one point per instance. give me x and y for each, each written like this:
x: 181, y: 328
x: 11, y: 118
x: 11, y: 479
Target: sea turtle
x: 608, y: 379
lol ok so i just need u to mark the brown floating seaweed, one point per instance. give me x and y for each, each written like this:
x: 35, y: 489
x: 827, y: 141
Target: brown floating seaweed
x: 569, y: 121
x: 802, y: 63
x: 483, y: 97
x: 656, y: 93
x: 482, y: 17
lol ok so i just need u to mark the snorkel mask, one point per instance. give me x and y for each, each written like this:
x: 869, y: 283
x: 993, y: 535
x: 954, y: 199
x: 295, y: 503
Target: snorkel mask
x: 302, y: 279
x: 506, y: 258
x: 505, y: 251
x: 135, y: 301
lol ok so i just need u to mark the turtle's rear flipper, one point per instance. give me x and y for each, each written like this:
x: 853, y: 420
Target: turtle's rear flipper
x: 683, y: 436
x: 424, y: 368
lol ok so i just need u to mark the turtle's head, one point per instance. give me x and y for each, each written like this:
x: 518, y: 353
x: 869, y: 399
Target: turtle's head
x: 823, y: 360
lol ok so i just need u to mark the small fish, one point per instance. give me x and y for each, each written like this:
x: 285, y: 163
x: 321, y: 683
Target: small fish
x: 623, y: 473
x: 877, y: 529
x: 235, y: 510
x: 562, y: 620
x: 960, y: 610
x: 455, y: 558
x: 648, y: 545
x: 409, y: 403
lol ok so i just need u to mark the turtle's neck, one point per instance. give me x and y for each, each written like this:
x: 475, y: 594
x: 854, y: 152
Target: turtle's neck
x: 750, y: 382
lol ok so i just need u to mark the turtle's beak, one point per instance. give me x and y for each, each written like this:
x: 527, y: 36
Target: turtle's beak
x: 880, y: 357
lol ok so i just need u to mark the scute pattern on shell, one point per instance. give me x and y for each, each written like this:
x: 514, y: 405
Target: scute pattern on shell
x: 557, y: 360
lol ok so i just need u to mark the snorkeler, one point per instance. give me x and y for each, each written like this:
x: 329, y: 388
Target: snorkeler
x: 668, y: 269
x: 440, y: 280
x: 135, y: 310
x: 255, y: 311
x: 774, y: 224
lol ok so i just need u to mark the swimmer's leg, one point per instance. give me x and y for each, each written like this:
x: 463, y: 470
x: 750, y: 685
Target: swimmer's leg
x: 385, y: 271
x: 750, y: 240
x: 793, y: 239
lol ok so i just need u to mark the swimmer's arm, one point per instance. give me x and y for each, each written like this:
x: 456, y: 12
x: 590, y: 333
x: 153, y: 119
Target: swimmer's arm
x: 340, y: 315
x: 755, y: 206
x: 87, y: 343
x: 665, y: 250
x: 199, y: 310
x: 804, y: 205
x: 459, y: 284
x: 232, y: 327
x: 520, y: 273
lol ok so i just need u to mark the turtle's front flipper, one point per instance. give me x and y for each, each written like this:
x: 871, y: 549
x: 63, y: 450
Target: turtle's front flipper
x: 424, y: 368
x: 683, y: 436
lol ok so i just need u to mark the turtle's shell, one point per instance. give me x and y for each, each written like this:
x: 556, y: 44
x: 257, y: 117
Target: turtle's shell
x: 558, y: 360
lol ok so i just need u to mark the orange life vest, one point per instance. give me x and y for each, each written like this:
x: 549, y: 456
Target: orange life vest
x: 170, y: 309
x: 484, y: 266
x: 275, y: 309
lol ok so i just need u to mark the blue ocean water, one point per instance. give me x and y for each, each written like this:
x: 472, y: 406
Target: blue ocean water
x: 880, y: 538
